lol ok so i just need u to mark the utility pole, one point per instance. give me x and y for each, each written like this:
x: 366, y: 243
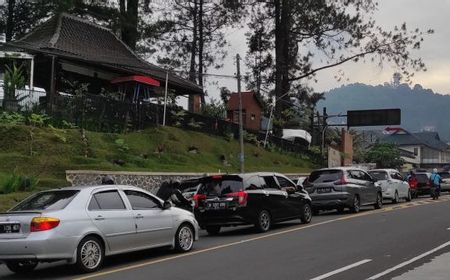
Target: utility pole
x: 241, y: 128
x: 324, y: 128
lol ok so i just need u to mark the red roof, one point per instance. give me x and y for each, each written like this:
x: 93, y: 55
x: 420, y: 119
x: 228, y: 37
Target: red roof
x: 248, y: 97
x: 140, y: 79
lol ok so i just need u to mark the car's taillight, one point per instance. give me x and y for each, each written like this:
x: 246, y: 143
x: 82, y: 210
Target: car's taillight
x: 241, y: 196
x: 43, y: 223
x: 197, y: 198
x: 341, y: 181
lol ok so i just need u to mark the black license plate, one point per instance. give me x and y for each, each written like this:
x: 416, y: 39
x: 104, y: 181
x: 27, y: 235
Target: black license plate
x: 9, y: 228
x: 216, y: 205
x: 324, y: 190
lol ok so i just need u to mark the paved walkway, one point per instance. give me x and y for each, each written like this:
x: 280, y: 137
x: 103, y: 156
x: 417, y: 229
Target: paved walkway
x: 437, y: 269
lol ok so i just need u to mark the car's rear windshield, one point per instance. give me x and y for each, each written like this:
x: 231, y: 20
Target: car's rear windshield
x: 422, y: 178
x: 324, y: 176
x: 379, y: 175
x: 444, y: 175
x: 220, y: 185
x: 50, y: 200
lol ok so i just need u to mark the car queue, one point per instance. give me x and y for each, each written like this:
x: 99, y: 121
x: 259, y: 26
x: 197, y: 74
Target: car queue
x: 83, y: 225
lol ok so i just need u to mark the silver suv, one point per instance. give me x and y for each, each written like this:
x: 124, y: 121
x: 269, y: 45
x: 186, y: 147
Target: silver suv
x: 342, y: 187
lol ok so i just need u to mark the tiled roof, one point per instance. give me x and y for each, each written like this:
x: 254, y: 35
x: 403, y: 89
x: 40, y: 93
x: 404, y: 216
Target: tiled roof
x: 403, y: 138
x: 78, y: 39
x: 248, y: 97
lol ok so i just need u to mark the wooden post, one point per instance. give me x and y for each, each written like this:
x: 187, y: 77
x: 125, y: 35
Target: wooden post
x: 52, y: 94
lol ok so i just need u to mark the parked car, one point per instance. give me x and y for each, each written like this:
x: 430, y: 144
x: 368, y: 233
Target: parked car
x: 342, y: 187
x: 84, y: 224
x: 392, y: 183
x: 261, y: 199
x: 423, y: 183
x: 445, y: 185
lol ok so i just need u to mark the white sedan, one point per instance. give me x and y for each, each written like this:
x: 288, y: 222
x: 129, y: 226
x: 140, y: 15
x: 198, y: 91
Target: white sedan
x: 392, y: 184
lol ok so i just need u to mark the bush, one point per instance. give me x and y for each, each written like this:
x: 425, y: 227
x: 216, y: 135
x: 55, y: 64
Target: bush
x: 18, y: 183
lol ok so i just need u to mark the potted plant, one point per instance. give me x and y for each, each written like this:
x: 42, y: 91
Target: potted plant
x: 14, y: 79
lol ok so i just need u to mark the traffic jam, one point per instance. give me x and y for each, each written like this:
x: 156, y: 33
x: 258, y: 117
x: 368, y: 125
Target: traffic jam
x: 84, y: 225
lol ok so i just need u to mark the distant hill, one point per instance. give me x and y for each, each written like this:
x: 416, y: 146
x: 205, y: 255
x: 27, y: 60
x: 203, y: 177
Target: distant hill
x: 422, y: 109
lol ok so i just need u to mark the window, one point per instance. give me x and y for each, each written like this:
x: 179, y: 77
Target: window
x: 285, y: 183
x: 108, y: 200
x: 141, y: 201
x: 270, y: 182
x: 51, y: 200
x: 253, y: 117
x: 396, y: 176
x: 221, y: 185
x: 253, y: 183
x: 365, y: 176
x: 379, y: 175
x: 416, y: 151
x: 323, y: 176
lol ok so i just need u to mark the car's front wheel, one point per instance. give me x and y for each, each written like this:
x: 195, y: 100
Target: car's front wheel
x: 264, y: 221
x: 379, y: 202
x: 21, y: 267
x: 396, y: 198
x: 90, y: 254
x: 184, y: 238
x: 306, y: 215
x: 356, y: 204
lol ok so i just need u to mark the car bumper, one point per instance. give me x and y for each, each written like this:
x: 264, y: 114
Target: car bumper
x: 324, y: 202
x: 39, y: 246
x: 223, y: 217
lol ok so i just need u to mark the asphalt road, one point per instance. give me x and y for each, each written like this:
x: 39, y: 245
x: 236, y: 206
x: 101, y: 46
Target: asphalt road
x: 380, y: 244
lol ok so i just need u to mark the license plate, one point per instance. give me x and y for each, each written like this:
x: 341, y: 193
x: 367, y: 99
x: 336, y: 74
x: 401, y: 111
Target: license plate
x: 216, y: 205
x: 324, y: 190
x: 9, y: 228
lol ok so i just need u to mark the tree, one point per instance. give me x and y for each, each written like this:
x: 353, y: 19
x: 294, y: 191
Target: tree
x: 303, y: 32
x: 196, y: 39
x: 214, y: 109
x: 385, y: 156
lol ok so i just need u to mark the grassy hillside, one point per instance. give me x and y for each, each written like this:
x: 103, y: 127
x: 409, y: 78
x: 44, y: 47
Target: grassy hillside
x: 44, y: 154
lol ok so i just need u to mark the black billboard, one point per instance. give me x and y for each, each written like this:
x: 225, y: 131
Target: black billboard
x: 373, y: 117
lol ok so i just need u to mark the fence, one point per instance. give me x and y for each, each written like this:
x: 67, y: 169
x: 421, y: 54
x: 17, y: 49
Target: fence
x: 100, y: 113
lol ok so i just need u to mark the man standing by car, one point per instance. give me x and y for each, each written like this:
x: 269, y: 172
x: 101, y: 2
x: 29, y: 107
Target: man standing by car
x: 436, y: 182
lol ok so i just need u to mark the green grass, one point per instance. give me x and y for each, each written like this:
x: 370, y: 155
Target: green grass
x: 49, y: 155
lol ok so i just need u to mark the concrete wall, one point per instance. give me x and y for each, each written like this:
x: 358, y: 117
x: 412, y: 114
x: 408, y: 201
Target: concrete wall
x: 147, y: 180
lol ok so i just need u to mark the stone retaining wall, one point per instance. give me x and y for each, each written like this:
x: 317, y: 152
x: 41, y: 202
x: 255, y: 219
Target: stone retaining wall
x: 147, y: 180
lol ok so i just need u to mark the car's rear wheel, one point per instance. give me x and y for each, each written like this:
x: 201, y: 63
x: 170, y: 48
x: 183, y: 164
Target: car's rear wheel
x: 184, y: 238
x: 213, y: 230
x: 90, y: 254
x: 264, y: 221
x: 21, y: 267
x: 396, y: 199
x: 356, y: 204
x: 306, y: 215
x: 409, y: 197
x: 379, y: 202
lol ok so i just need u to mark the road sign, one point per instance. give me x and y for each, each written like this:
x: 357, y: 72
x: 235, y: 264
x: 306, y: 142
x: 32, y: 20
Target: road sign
x: 374, y: 117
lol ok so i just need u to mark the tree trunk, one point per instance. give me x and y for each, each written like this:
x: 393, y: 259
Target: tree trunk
x: 129, y: 22
x: 10, y: 20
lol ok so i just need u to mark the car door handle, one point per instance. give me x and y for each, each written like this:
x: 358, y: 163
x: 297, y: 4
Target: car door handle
x: 99, y: 218
x: 139, y: 216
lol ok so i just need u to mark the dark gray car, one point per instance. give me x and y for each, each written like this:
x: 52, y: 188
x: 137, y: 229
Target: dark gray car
x: 342, y: 187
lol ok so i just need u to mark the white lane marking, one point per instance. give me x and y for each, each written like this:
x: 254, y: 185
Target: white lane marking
x: 409, y: 262
x: 324, y: 276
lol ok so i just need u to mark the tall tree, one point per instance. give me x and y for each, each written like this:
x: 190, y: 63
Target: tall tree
x: 196, y: 38
x: 312, y: 35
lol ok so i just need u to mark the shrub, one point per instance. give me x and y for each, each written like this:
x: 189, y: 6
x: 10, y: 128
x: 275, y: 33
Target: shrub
x: 18, y: 183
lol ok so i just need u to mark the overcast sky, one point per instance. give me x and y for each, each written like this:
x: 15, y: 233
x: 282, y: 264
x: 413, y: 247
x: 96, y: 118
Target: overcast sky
x: 435, y: 51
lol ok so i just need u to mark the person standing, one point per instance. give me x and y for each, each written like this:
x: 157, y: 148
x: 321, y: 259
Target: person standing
x: 436, y: 180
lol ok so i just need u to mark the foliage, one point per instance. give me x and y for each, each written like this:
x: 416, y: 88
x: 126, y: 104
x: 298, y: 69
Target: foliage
x: 121, y: 145
x: 14, y: 79
x: 38, y: 120
x: 12, y: 118
x: 18, y: 183
x: 385, y: 156
x: 214, y: 109
x: 178, y: 117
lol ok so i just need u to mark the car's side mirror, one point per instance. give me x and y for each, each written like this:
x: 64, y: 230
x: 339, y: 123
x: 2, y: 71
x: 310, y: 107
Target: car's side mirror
x: 166, y: 205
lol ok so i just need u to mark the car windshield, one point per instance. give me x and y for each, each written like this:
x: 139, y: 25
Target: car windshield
x: 379, y: 175
x: 50, y: 200
x: 323, y: 176
x: 221, y: 186
x: 422, y: 178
